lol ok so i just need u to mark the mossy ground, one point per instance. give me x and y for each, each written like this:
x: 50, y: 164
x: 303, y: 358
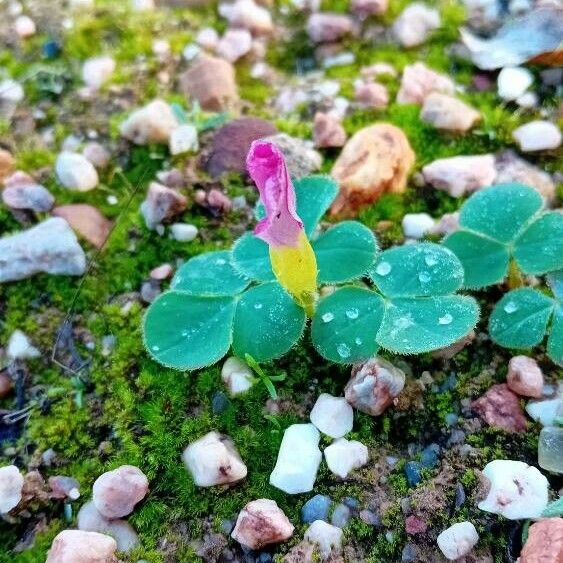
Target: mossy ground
x: 136, y: 412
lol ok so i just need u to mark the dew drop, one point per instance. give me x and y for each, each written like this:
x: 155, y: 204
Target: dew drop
x: 510, y: 307
x: 383, y: 268
x: 343, y: 350
x: 352, y: 313
x: 446, y: 319
x: 184, y: 333
x: 327, y: 317
x: 220, y: 261
x: 358, y: 341
x: 155, y: 348
x: 430, y: 260
x: 424, y: 277
x: 258, y: 306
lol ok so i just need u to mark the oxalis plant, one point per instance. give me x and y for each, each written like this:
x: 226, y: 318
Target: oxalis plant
x: 505, y: 232
x: 256, y: 298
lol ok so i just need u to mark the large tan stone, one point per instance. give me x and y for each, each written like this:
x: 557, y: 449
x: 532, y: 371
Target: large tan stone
x: 75, y: 546
x: 377, y: 159
x: 87, y: 221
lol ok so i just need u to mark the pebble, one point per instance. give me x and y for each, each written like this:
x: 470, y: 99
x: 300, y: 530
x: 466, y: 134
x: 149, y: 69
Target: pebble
x: 512, y: 82
x: 183, y: 139
x: 366, y: 8
x: 545, y: 412
x: 160, y: 204
x: 418, y: 81
x: 326, y: 536
x: 183, y: 232
x: 237, y: 376
x: 448, y: 113
x: 76, y: 546
x: 97, y: 71
x: 150, y: 290
x: 525, y: 377
x: 25, y: 27
x: 115, y: 493
x: 316, y: 508
x: 371, y: 95
x: 11, y: 485
x: 235, y: 44
x: 328, y: 131
x: 537, y: 136
x: 429, y: 456
x: 341, y: 515
x: 333, y: 416
x: 261, y: 522
x: 64, y: 487
x: 415, y: 23
x: 248, y: 15
x: 97, y: 154
x: 458, y: 540
x: 544, y: 543
x: 517, y: 490
x: 207, y: 38
x: 191, y: 51
x: 375, y: 160
x: 22, y: 192
x: 20, y: 347
x: 300, y: 157
x: 500, y: 407
x: 11, y: 93
x: 408, y: 554
x: 461, y: 175
x: 370, y: 517
x: 214, y: 460
x: 152, y: 123
x: 219, y: 402
x: 550, y: 449
x: 323, y: 27
x: 343, y: 456
x: 211, y: 81
x: 412, y: 473
x: 75, y: 172
x: 49, y: 247
x: 7, y: 161
x: 374, y: 385
x: 298, y: 460
x: 6, y: 384
x: 87, y: 221
x: 416, y: 225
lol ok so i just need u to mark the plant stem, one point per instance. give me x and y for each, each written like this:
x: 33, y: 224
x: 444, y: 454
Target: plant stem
x: 515, y: 278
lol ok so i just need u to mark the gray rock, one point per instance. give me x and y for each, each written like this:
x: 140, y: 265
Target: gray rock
x: 49, y: 247
x: 341, y: 516
x: 300, y: 157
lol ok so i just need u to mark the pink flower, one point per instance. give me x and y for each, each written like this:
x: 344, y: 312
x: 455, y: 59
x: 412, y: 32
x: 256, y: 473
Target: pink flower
x: 266, y: 166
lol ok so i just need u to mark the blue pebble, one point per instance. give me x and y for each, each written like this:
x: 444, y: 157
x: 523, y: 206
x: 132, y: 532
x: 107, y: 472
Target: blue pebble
x: 219, y: 403
x: 429, y: 457
x: 451, y: 419
x: 51, y: 49
x: 341, y: 516
x: 351, y: 502
x: 412, y: 471
x: 408, y: 554
x: 316, y: 508
x: 264, y: 558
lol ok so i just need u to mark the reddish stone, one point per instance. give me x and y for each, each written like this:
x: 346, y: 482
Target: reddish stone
x: 328, y: 131
x: 414, y: 525
x: 544, y: 543
x: 525, y: 377
x: 87, y: 221
x: 500, y: 407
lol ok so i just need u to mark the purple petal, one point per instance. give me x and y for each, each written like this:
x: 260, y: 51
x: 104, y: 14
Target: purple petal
x: 266, y: 166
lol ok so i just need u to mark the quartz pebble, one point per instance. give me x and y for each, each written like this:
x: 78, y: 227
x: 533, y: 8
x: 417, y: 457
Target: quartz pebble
x: 512, y: 82
x: 333, y: 416
x: 341, y: 515
x: 261, y: 522
x: 525, y: 377
x: 97, y: 71
x: 76, y: 546
x: 87, y: 221
x: 418, y: 81
x: 328, y: 27
x: 500, y: 407
x: 234, y: 44
x: 214, y: 460
x: 328, y: 131
x: 75, y: 172
x: 546, y: 411
x: 160, y: 204
x: 183, y: 139
x: 22, y: 192
x: 20, y: 347
x: 517, y: 490
x: 374, y: 385
x: 458, y: 540
x: 25, y: 26
x: 152, y: 123
x: 49, y: 247
x: 208, y: 38
x: 237, y: 376
x: 248, y: 15
x: 371, y: 95
x: 300, y: 157
x: 326, y: 536
x: 11, y: 485
x: 343, y: 456
x: 115, y: 493
x: 550, y: 449
x: 298, y: 460
x: 416, y: 225
x: 544, y: 543
x: 460, y: 175
x: 366, y: 8
x: 537, y: 136
x: 448, y: 113
x: 97, y: 154
x: 415, y: 23
x: 183, y: 232
x: 316, y: 508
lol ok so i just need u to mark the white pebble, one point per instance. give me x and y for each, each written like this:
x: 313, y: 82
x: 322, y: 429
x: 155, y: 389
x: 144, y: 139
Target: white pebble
x: 183, y: 232
x: 11, y: 485
x: 183, y: 139
x: 237, y: 376
x: 76, y: 172
x: 458, y: 540
x: 333, y: 416
x: 512, y: 82
x: 416, y: 225
x: 343, y: 456
x: 327, y: 536
x: 20, y: 348
x: 537, y: 136
x: 25, y: 26
x: 97, y: 71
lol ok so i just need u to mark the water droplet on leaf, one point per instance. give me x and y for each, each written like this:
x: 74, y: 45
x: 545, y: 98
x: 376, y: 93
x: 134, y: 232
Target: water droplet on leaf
x: 327, y: 317
x: 446, y: 319
x: 383, y: 268
x: 352, y: 313
x: 510, y: 307
x: 343, y: 350
x: 424, y: 277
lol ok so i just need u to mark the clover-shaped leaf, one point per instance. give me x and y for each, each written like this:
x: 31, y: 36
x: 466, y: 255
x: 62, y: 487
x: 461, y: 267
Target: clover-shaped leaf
x: 344, y: 252
x: 268, y: 323
x: 523, y: 316
x: 251, y: 258
x: 210, y: 273
x: 187, y: 332
x: 503, y: 222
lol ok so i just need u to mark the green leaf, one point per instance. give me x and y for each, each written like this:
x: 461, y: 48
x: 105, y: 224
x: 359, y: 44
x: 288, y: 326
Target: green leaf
x: 345, y: 325
x: 484, y: 261
x: 539, y: 249
x: 554, y: 509
x: 417, y: 270
x: 519, y: 319
x: 210, y: 273
x: 555, y: 281
x: 251, y: 257
x: 313, y: 195
x: 268, y: 323
x: 188, y: 332
x: 555, y: 340
x: 413, y: 326
x: 344, y: 252
x: 500, y: 211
